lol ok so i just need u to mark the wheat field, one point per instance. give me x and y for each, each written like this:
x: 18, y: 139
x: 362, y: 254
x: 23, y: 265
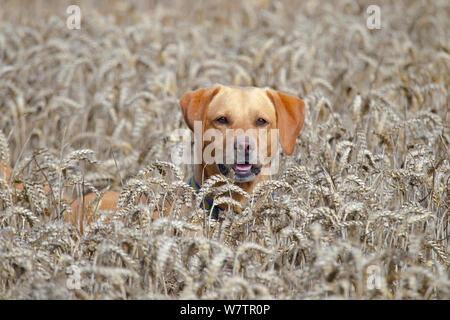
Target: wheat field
x: 361, y: 209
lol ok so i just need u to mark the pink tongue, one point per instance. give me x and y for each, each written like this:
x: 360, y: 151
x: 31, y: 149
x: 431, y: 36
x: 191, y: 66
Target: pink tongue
x: 243, y: 167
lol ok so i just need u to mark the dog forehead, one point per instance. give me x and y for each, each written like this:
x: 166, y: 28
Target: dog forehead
x: 243, y: 99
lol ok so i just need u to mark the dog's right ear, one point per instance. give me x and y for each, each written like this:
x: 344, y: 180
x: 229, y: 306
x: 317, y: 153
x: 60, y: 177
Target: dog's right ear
x: 194, y: 105
x: 290, y: 113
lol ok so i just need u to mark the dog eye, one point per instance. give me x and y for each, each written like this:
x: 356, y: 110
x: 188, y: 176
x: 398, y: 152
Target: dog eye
x: 261, y: 122
x: 222, y: 120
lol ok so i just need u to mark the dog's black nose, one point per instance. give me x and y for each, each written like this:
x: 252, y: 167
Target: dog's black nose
x: 244, y: 145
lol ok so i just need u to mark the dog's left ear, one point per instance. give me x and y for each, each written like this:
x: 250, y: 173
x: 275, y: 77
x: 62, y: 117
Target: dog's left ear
x: 194, y: 105
x: 290, y: 113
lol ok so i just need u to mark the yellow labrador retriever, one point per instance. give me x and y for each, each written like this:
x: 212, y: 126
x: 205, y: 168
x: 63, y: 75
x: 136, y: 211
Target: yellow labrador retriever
x: 241, y: 120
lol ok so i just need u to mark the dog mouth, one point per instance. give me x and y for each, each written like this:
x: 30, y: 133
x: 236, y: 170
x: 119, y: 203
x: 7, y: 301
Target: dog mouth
x: 242, y: 172
x: 242, y: 168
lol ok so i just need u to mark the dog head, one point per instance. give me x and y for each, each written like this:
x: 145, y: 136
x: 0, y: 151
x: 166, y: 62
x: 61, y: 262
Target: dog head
x: 237, y: 126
